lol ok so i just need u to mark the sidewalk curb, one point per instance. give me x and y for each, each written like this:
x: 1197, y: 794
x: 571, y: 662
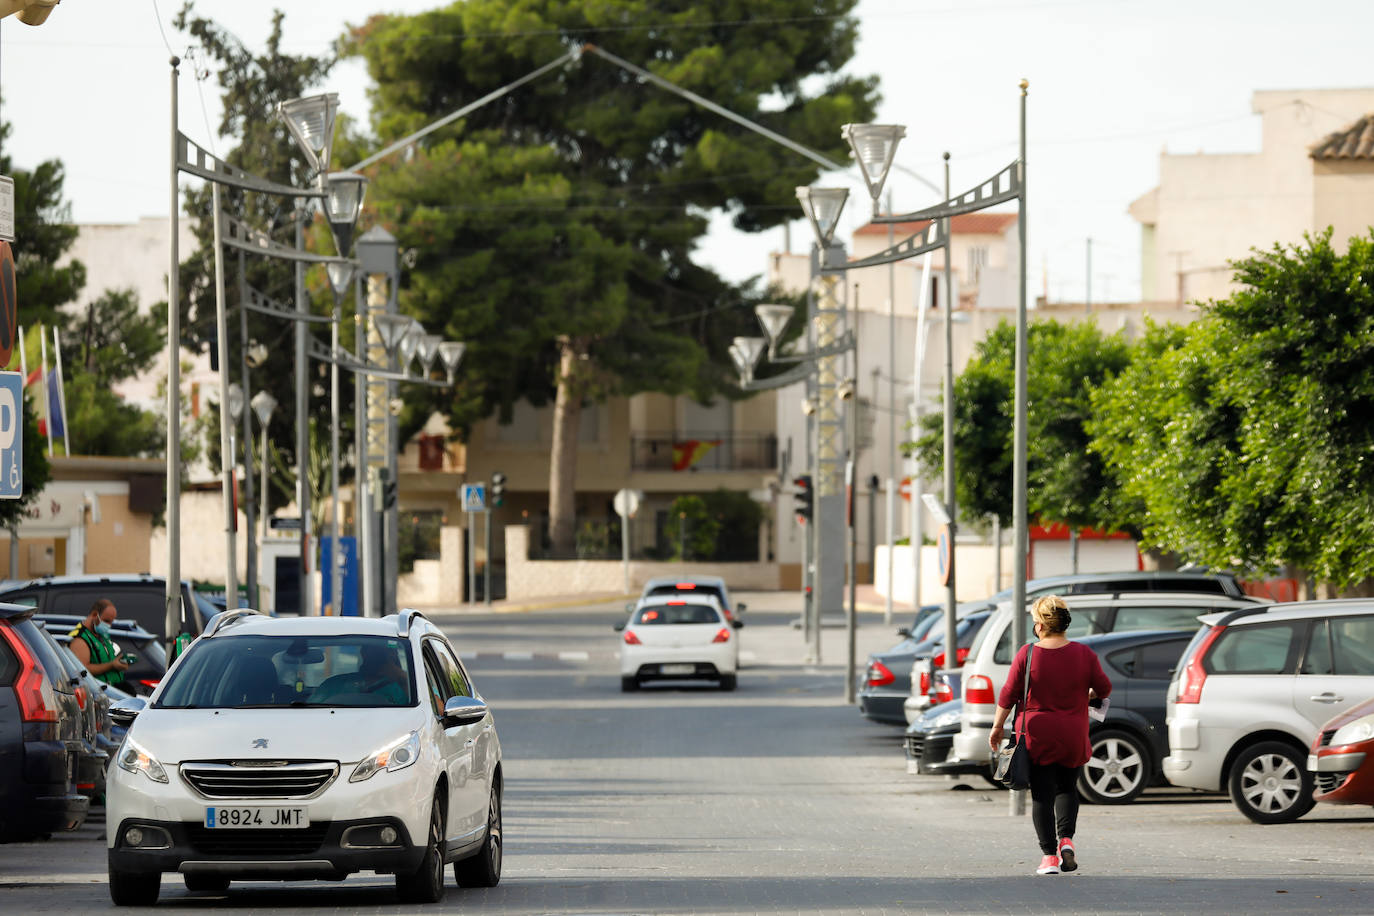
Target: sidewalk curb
x: 525, y: 608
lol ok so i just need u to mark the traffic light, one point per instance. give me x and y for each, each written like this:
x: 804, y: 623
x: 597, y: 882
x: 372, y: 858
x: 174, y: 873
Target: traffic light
x: 806, y: 498
x: 498, y: 489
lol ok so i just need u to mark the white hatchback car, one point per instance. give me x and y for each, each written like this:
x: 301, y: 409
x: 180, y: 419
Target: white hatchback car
x: 307, y: 748
x: 687, y: 637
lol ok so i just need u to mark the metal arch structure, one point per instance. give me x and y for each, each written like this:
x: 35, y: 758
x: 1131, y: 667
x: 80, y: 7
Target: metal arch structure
x: 205, y: 164
x: 239, y: 235
x: 320, y: 352
x: 255, y: 301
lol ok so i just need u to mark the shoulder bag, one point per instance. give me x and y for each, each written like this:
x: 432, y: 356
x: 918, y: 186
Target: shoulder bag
x: 1012, y: 763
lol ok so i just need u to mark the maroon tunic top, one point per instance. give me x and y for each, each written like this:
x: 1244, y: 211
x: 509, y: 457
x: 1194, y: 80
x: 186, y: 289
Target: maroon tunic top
x: 1056, y: 716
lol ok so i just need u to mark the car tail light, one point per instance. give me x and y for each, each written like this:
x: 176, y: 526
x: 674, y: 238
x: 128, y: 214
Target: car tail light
x: 879, y: 675
x: 631, y: 639
x: 722, y: 635
x: 979, y: 691
x: 150, y: 684
x: 81, y: 697
x: 685, y: 586
x: 960, y: 656
x: 37, y: 701
x: 1193, y: 674
x: 943, y: 692
x: 925, y: 683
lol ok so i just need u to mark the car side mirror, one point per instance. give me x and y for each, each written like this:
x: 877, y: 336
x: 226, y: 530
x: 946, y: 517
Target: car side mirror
x: 464, y: 711
x: 737, y: 624
x: 125, y: 712
x: 904, y: 632
x: 619, y: 626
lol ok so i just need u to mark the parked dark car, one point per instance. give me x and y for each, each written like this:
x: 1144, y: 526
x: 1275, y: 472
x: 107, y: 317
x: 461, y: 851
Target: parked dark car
x: 1128, y: 746
x: 150, y: 663
x: 90, y: 769
x: 886, y: 681
x: 38, y: 735
x: 140, y: 599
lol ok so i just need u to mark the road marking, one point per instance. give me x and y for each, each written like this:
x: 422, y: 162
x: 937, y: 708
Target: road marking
x: 518, y: 656
x: 747, y: 656
x: 573, y: 656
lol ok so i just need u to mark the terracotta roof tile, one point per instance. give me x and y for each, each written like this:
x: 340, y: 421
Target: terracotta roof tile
x: 966, y: 224
x: 1355, y: 141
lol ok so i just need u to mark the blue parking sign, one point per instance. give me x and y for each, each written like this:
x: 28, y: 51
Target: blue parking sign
x: 11, y: 435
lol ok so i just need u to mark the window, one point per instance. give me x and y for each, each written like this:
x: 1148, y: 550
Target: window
x: 1205, y: 584
x: 432, y: 682
x: 1159, y: 659
x: 1317, y: 658
x: 452, y: 680
x: 672, y: 613
x: 1085, y: 622
x: 1256, y: 649
x: 710, y: 590
x: 1157, y: 618
x: 27, y: 600
x: 1352, y: 642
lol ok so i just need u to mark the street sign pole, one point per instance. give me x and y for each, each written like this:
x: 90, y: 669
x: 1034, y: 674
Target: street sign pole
x: 486, y: 565
x: 472, y: 562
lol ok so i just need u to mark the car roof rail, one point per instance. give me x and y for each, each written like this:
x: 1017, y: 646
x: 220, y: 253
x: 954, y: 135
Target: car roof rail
x: 405, y: 618
x: 228, y: 618
x: 1238, y: 613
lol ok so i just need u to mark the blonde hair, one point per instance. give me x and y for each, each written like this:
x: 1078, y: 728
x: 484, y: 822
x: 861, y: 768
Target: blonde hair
x: 1052, y: 613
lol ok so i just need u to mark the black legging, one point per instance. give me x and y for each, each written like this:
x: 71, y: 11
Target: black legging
x: 1054, y: 803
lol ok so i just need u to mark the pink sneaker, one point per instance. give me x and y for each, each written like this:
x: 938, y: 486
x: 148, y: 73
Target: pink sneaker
x: 1067, y: 860
x: 1049, y: 865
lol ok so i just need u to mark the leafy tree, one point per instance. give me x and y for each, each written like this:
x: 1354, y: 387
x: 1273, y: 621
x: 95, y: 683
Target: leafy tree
x: 554, y: 229
x: 691, y: 529
x: 1259, y: 453
x: 1065, y: 481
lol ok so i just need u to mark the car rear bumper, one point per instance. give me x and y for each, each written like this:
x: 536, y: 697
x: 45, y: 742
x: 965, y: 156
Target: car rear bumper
x: 883, y: 707
x: 322, y: 851
x: 710, y: 661
x: 700, y: 671
x: 27, y: 810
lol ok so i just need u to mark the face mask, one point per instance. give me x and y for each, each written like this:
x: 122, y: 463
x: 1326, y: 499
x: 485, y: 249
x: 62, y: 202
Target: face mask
x: 102, y: 628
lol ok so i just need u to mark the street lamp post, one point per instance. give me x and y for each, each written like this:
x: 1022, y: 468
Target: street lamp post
x: 263, y: 405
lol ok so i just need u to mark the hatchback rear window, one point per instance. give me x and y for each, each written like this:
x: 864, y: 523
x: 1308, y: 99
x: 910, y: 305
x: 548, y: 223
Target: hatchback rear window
x: 1258, y: 649
x: 671, y: 613
x: 1157, y: 618
x: 688, y: 589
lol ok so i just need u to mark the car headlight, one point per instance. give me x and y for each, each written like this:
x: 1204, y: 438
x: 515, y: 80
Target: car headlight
x: 135, y: 759
x: 395, y: 756
x: 1361, y: 729
x: 945, y: 719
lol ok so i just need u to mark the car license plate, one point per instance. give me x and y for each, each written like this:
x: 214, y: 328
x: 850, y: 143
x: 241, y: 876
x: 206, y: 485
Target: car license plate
x: 254, y: 818
x: 678, y: 669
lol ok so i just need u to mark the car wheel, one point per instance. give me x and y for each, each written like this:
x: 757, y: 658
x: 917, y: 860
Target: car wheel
x: 134, y: 888
x: 213, y: 883
x: 426, y: 883
x: 1270, y: 784
x: 729, y: 681
x: 484, y: 869
x: 1118, y: 771
x: 629, y: 684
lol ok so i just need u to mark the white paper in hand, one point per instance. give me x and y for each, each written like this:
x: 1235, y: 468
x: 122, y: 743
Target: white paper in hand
x: 1100, y: 712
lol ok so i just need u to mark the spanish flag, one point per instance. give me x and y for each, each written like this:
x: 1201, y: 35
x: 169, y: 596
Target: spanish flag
x: 689, y: 451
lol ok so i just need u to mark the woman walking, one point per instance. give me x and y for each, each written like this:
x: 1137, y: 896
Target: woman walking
x: 1063, y: 676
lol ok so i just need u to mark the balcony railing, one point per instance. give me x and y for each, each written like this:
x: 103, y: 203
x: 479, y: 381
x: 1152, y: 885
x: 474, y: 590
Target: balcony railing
x: 703, y: 451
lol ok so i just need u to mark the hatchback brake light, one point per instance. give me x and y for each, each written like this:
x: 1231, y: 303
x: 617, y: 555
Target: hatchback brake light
x: 150, y: 684
x: 80, y: 697
x: 1191, y: 679
x: 879, y: 675
x: 979, y: 691
x: 37, y: 701
x: 631, y: 639
x: 925, y: 683
x: 722, y: 635
x: 943, y: 692
x: 960, y: 656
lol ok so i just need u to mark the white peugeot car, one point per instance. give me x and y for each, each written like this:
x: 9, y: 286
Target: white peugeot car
x: 307, y: 748
x: 673, y: 638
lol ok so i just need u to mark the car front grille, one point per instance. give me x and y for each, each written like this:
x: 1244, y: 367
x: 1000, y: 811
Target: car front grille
x: 915, y: 744
x: 259, y: 779
x: 256, y: 844
x: 1329, y: 782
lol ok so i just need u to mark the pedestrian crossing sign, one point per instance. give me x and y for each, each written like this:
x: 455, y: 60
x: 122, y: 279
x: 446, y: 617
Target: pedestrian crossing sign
x: 474, y: 497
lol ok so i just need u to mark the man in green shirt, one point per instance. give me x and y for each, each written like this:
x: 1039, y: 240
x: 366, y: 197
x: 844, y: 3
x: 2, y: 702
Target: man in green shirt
x: 91, y: 644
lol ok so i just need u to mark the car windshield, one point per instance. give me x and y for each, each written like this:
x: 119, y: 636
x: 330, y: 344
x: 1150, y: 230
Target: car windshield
x: 922, y: 629
x: 298, y: 671
x: 679, y: 612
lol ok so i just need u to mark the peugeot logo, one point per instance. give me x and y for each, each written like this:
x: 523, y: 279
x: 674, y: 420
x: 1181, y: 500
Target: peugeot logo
x: 260, y: 743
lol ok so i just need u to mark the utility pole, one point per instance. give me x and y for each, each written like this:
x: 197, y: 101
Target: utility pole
x: 1088, y: 297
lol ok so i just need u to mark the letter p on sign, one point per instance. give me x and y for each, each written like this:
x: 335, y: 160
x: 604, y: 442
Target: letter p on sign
x: 11, y: 435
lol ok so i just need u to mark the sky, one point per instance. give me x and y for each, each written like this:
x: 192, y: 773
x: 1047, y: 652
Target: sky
x: 1113, y: 83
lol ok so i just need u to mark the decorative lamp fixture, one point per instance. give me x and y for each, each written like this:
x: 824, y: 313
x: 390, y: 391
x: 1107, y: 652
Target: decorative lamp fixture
x: 774, y: 319
x: 256, y: 354
x: 263, y: 404
x: 340, y: 276
x: 822, y: 207
x: 235, y: 400
x: 745, y: 351
x: 875, y: 148
x: 343, y: 201
x: 405, y: 347
x: 391, y: 329
x: 311, y: 123
x: 427, y: 349
x: 451, y: 354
